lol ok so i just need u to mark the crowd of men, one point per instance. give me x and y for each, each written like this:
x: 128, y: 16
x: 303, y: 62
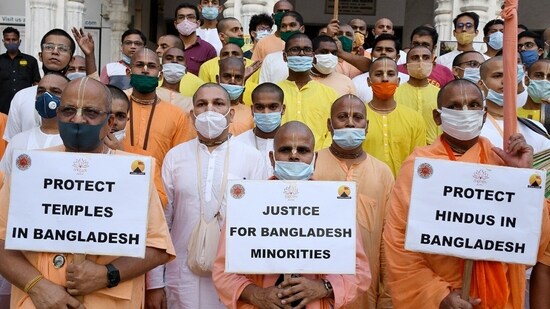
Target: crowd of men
x: 290, y: 108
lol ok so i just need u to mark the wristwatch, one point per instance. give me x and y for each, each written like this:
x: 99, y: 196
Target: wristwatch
x: 113, y: 276
x: 328, y: 287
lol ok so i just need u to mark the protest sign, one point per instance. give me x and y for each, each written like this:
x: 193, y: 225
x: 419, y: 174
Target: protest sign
x: 79, y: 203
x: 290, y: 227
x: 475, y: 211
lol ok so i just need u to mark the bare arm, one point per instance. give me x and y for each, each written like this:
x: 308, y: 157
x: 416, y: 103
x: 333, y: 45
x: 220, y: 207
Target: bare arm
x: 359, y: 61
x: 19, y: 272
x: 539, y: 286
x: 88, y: 277
x: 86, y: 44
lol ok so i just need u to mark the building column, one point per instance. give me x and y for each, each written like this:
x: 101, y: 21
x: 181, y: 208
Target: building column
x: 229, y: 10
x: 443, y: 19
x: 250, y: 8
x: 40, y: 16
x: 119, y: 19
x: 269, y: 7
x: 74, y: 14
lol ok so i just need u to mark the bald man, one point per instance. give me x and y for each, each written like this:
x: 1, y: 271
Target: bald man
x: 195, y: 174
x: 492, y: 85
x: 189, y: 83
x: 85, y: 106
x: 293, y: 159
x: 419, y: 280
x: 231, y: 78
x: 385, y: 25
x: 345, y: 160
x: 173, y: 71
x: 155, y: 126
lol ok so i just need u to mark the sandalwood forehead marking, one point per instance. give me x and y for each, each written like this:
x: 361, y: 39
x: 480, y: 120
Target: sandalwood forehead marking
x: 464, y: 96
x: 294, y: 144
x: 81, y: 90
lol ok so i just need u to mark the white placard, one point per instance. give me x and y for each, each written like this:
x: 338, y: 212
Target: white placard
x: 475, y: 211
x: 297, y: 227
x: 79, y: 203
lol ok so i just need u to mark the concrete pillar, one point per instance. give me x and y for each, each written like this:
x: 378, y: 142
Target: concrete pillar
x: 40, y: 16
x: 443, y: 19
x: 119, y: 19
x: 74, y: 15
x: 250, y: 8
x: 229, y: 10
x: 481, y: 7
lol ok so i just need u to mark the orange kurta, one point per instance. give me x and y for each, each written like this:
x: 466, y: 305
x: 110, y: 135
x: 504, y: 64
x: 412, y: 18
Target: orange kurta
x: 242, y: 119
x: 266, y: 46
x: 170, y: 126
x: 374, y: 184
x: 346, y: 287
x: 3, y: 144
x: 419, y: 280
x: 129, y: 294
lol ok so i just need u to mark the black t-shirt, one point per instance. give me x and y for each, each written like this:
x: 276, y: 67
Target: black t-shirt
x: 16, y: 74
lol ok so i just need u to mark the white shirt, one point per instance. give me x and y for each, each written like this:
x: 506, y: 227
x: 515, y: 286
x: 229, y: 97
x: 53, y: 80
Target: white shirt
x: 274, y: 68
x: 179, y: 174
x: 364, y: 91
x: 22, y: 115
x: 491, y: 132
x: 402, y: 56
x: 210, y: 36
x: 264, y: 145
x: 33, y: 138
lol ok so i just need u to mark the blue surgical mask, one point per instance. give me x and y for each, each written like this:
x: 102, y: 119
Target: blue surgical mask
x: 493, y: 96
x: 285, y: 170
x: 126, y: 59
x: 299, y: 63
x: 75, y: 75
x: 472, y: 74
x: 210, y: 12
x: 262, y: 34
x: 81, y: 137
x: 521, y: 73
x: 539, y: 90
x: 349, y: 138
x: 267, y: 122
x: 496, y: 40
x: 234, y: 91
x: 46, y: 105
x: 529, y: 57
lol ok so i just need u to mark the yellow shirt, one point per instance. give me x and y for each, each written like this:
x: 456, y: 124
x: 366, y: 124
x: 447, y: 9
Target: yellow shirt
x: 374, y: 185
x: 422, y: 100
x: 189, y: 84
x: 393, y: 136
x: 211, y: 68
x: 337, y: 81
x: 310, y: 105
x: 533, y: 114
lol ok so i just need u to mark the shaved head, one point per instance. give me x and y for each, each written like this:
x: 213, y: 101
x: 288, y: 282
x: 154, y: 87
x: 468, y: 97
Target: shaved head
x: 349, y: 98
x: 295, y: 128
x: 487, y: 66
x: 147, y: 53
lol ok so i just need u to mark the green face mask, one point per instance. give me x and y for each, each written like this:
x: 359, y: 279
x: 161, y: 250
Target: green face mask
x: 286, y: 35
x: 238, y: 41
x: 347, y: 43
x: 277, y: 17
x: 144, y: 83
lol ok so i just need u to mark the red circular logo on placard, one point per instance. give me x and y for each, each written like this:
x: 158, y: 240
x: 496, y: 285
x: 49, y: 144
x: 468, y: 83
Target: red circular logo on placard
x: 425, y: 170
x: 23, y: 162
x: 237, y: 191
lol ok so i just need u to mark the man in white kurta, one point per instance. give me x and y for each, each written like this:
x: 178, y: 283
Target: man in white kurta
x: 193, y: 172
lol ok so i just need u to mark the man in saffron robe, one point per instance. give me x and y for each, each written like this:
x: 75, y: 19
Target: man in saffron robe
x: 294, y: 146
x: 432, y: 281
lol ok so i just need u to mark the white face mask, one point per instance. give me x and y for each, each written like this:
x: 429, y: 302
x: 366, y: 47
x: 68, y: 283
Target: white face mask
x: 463, y: 125
x: 325, y: 63
x: 120, y: 135
x: 211, y: 124
x: 173, y: 72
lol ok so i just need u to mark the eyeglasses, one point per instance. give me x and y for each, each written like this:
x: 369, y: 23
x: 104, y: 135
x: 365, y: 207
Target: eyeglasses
x: 121, y: 116
x: 468, y: 25
x: 527, y: 45
x: 471, y: 64
x: 297, y: 50
x: 50, y: 47
x: 130, y: 43
x: 190, y: 17
x: 86, y: 112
